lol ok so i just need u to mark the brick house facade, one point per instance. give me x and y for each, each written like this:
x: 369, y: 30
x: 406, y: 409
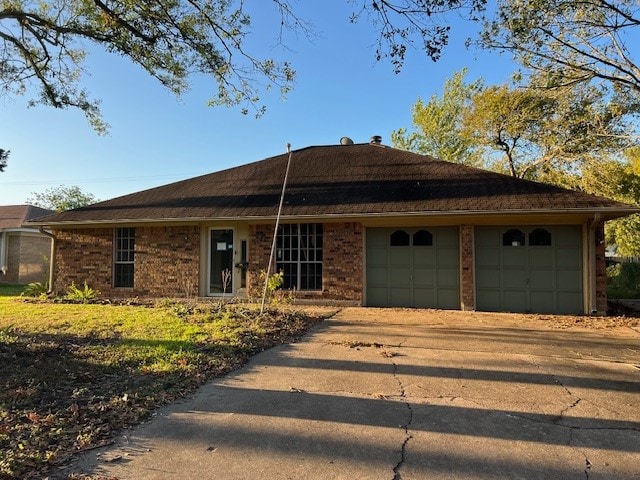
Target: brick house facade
x: 362, y: 224
x: 166, y: 261
x: 28, y: 256
x: 25, y: 252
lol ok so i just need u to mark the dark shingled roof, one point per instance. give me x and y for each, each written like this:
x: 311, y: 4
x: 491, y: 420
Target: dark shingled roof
x: 15, y: 216
x: 340, y: 180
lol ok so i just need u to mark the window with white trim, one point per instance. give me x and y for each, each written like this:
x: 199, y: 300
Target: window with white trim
x: 299, y: 255
x: 123, y: 257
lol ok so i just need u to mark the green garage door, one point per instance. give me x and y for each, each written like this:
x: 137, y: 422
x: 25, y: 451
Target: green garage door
x: 529, y: 269
x: 413, y: 267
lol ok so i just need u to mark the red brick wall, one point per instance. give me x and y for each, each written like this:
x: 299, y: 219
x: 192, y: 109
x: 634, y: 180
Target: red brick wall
x: 260, y: 240
x: 342, y: 260
x: 467, y: 280
x: 167, y: 261
x: 83, y: 255
x: 601, y: 271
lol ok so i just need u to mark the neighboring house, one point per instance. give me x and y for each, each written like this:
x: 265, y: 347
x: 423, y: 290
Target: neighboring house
x: 25, y: 252
x: 362, y: 224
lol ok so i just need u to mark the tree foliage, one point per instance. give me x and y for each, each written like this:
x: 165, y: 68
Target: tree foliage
x: 528, y: 127
x: 520, y: 129
x: 419, y: 23
x: 618, y: 179
x: 578, y: 40
x: 43, y: 45
x: 438, y: 121
x: 61, y: 198
x: 4, y: 156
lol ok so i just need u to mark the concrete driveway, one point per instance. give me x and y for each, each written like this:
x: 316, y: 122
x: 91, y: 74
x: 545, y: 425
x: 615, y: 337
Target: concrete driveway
x: 407, y: 394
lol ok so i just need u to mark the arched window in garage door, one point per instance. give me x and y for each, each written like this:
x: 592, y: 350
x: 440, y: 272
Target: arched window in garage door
x: 422, y: 238
x: 540, y: 238
x: 399, y: 238
x: 513, y: 238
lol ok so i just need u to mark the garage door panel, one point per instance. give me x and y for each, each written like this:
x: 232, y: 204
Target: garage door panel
x: 447, y: 256
x: 543, y: 302
x: 447, y: 236
x: 531, y: 277
x: 424, y: 257
x: 488, y: 278
x: 542, y: 279
x: 378, y: 275
x: 399, y: 297
x: 424, y: 297
x: 514, y: 257
x: 570, y: 302
x: 568, y: 257
x: 568, y: 237
x: 514, y: 278
x: 399, y: 276
x: 486, y: 238
x: 377, y: 238
x: 423, y: 277
x: 488, y: 256
x: 541, y: 257
x: 570, y: 280
x: 448, y: 298
x: 489, y: 300
x: 377, y: 257
x: 420, y: 275
x: 399, y: 255
x: 377, y: 296
x: 514, y: 301
x: 448, y: 277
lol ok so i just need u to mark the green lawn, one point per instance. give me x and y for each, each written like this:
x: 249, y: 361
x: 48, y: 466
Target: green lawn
x: 11, y: 290
x: 72, y: 375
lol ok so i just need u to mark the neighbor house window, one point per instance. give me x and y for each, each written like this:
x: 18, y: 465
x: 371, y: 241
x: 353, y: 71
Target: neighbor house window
x: 299, y: 255
x: 125, y: 240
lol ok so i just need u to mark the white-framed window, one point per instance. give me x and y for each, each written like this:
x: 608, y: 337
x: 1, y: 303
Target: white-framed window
x: 299, y: 255
x: 123, y: 257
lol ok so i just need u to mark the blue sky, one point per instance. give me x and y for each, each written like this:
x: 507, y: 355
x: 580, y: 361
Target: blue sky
x: 156, y: 139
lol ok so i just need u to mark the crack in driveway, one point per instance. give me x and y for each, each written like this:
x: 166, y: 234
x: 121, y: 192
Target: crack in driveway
x: 406, y: 426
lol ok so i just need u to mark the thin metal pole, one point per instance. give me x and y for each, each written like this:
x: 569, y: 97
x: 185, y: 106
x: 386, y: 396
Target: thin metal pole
x: 275, y: 232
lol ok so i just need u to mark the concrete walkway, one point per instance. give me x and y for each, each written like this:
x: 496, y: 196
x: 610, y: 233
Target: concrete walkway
x: 404, y: 394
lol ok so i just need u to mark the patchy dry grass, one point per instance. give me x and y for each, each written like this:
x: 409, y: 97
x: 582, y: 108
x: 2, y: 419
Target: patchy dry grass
x: 71, y: 376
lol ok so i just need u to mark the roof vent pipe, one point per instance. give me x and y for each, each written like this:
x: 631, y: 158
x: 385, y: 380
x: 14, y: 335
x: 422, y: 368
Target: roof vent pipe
x: 376, y: 140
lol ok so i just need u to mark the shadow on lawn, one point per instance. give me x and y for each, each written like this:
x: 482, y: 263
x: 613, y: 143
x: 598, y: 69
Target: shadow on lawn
x: 60, y: 394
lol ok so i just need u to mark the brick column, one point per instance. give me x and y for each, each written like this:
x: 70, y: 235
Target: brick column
x: 343, y: 261
x: 260, y: 239
x: 467, y: 277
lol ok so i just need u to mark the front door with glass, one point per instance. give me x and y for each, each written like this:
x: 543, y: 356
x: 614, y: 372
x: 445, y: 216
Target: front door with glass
x: 221, y: 268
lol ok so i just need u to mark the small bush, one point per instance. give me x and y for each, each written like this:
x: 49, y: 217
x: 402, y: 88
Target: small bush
x: 275, y: 294
x: 81, y: 295
x: 623, y: 280
x: 36, y: 289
